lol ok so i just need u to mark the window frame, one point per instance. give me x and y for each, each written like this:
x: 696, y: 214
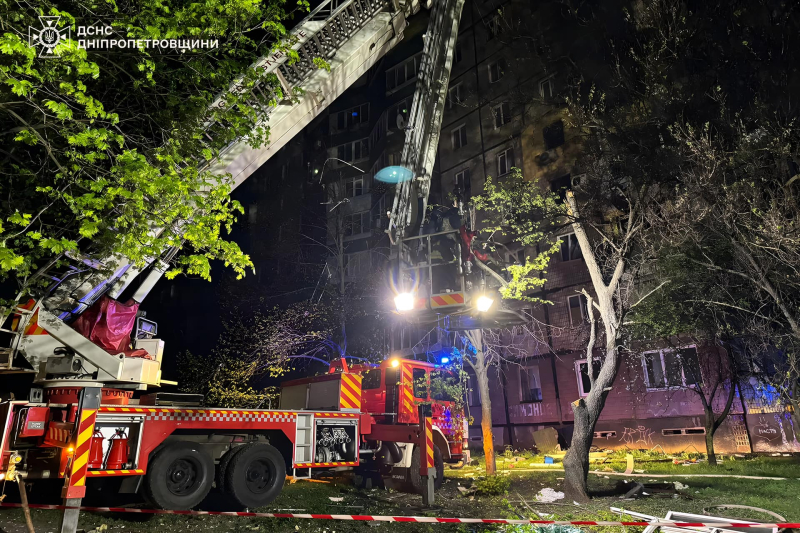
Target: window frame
x: 366, y: 384
x: 493, y: 27
x: 358, y: 270
x: 667, y: 386
x: 415, y: 61
x: 463, y: 135
x: 548, y: 81
x: 504, y: 114
x: 416, y: 387
x: 567, y: 237
x: 579, y: 376
x: 377, y: 211
x: 350, y: 218
x: 451, y: 103
x: 350, y: 183
x: 397, y: 109
x: 583, y: 305
x: 464, y: 181
x: 526, y: 369
x: 363, y: 149
x: 346, y: 117
x: 509, y: 165
x: 500, y: 70
x: 549, y: 131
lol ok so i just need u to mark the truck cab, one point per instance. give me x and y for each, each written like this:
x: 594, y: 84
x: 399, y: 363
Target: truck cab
x: 393, y: 391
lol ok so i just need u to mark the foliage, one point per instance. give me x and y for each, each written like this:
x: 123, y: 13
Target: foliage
x: 106, y: 153
x: 492, y: 485
x: 515, y: 207
x: 259, y: 344
x: 230, y: 384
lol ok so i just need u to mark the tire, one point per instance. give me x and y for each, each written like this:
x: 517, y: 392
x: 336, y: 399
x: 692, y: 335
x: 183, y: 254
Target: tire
x: 179, y: 476
x: 224, y: 462
x: 254, y: 477
x: 416, y: 478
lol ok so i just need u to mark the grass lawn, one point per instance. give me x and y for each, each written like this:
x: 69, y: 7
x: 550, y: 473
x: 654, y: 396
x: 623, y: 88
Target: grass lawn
x: 518, y: 502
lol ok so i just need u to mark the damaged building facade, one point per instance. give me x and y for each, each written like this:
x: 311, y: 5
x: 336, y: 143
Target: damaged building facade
x: 501, y: 113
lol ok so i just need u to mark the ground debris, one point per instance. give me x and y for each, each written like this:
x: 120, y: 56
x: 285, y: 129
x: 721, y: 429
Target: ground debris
x: 547, y: 495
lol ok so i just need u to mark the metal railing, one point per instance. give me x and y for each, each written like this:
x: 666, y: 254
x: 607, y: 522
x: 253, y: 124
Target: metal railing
x: 340, y: 20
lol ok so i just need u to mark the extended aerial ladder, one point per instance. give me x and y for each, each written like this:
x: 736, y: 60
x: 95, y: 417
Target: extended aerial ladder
x: 433, y: 271
x: 351, y: 35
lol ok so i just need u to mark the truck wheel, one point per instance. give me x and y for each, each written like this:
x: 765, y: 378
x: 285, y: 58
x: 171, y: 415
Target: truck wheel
x: 416, y: 477
x: 255, y: 475
x: 224, y: 462
x: 179, y: 476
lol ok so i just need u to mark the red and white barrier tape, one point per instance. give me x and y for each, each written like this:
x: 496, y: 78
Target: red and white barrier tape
x: 423, y: 519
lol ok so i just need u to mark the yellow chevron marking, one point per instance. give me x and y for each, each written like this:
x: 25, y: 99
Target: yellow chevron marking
x: 83, y: 437
x: 343, y: 403
x: 80, y: 461
x: 350, y: 395
x: 86, y: 413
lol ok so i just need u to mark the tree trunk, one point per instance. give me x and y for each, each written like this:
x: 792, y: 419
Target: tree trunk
x: 576, y: 461
x: 712, y: 457
x: 795, y: 403
x: 587, y: 411
x: 486, y: 423
x: 482, y: 375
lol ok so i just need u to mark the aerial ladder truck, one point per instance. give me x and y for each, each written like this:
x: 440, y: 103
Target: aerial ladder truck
x: 80, y: 421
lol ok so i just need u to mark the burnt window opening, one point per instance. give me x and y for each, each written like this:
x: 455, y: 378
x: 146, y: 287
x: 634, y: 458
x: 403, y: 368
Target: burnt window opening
x: 561, y: 185
x: 553, y: 135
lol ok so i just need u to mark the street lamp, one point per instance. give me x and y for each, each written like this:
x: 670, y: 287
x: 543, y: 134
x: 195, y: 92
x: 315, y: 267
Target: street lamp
x: 484, y: 303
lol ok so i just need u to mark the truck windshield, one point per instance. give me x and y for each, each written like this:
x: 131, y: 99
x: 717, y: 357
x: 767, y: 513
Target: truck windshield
x: 372, y: 379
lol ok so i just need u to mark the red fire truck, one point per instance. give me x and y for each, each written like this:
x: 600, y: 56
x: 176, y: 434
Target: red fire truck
x: 173, y: 455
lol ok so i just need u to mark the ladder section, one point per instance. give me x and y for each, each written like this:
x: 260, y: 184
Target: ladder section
x: 20, y: 317
x: 351, y: 36
x: 304, y: 439
x: 425, y: 117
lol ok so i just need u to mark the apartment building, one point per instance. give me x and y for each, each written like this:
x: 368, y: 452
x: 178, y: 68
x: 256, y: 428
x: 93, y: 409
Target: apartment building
x: 500, y: 114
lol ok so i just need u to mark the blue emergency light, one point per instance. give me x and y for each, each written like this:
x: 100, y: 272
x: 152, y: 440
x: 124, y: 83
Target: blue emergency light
x: 445, y: 360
